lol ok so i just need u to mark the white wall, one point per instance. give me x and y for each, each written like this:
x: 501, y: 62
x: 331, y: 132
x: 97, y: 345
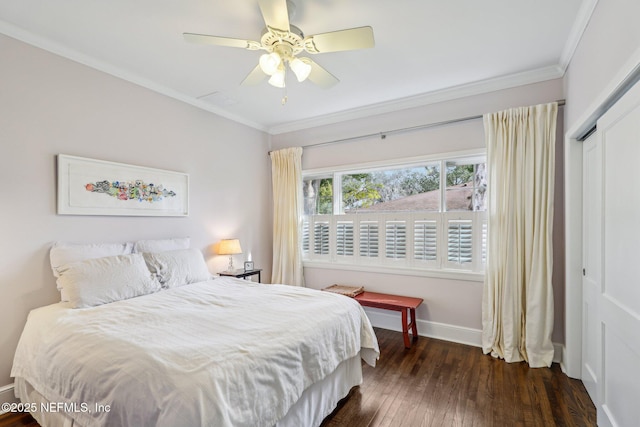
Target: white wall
x: 50, y: 105
x: 450, y: 303
x: 607, y: 49
x: 608, y: 53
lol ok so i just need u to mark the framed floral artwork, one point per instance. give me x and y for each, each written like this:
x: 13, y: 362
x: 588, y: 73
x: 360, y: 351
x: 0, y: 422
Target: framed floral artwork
x: 98, y: 187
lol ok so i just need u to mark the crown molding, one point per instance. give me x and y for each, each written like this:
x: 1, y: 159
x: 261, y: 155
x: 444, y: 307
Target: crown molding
x: 505, y: 82
x: 81, y: 58
x: 448, y: 94
x: 577, y: 30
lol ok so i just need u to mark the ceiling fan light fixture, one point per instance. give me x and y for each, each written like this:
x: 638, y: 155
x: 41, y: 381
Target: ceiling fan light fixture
x: 300, y: 68
x: 277, y: 79
x: 269, y: 63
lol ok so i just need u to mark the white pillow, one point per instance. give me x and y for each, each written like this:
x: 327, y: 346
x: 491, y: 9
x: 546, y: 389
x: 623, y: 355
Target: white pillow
x: 178, y: 268
x: 65, y: 253
x: 161, y: 245
x: 103, y: 280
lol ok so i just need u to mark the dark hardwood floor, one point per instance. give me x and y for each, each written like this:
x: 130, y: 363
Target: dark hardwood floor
x: 438, y: 383
x: 17, y: 419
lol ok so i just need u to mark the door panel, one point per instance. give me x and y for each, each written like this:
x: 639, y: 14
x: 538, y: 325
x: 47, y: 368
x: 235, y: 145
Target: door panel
x: 592, y: 262
x: 619, y: 295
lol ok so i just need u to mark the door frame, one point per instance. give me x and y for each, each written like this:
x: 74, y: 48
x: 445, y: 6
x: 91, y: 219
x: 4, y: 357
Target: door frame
x: 628, y: 75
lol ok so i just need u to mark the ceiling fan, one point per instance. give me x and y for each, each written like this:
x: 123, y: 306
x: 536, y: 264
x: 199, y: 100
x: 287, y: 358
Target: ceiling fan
x: 283, y: 42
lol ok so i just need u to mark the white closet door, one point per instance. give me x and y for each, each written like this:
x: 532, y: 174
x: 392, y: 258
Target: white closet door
x: 591, y: 262
x: 618, y: 297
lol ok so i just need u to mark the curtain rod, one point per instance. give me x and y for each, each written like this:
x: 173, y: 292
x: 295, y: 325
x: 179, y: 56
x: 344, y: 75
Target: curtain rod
x: 384, y: 134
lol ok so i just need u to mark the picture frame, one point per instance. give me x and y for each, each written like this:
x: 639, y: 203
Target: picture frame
x: 248, y: 265
x: 98, y: 187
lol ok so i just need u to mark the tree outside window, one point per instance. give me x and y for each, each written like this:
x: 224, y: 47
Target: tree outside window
x: 318, y: 196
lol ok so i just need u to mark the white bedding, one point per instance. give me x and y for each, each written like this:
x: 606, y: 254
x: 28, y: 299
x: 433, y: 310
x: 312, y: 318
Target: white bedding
x: 225, y: 352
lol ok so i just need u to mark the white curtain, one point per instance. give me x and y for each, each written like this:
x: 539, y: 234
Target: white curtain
x: 286, y: 173
x: 517, y: 314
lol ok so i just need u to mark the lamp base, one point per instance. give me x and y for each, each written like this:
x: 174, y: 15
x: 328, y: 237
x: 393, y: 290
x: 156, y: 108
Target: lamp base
x: 230, y: 267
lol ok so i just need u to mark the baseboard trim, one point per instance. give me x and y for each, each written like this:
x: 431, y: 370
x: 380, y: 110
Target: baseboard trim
x: 459, y: 334
x: 442, y: 331
x: 7, y: 396
x: 558, y: 351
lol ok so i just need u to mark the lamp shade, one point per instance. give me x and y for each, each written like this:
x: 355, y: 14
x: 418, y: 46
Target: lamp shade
x: 229, y: 247
x: 269, y: 63
x: 301, y: 68
x: 277, y: 79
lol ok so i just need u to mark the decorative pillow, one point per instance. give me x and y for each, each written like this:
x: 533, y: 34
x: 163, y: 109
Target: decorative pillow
x: 99, y: 281
x: 161, y: 245
x: 65, y: 253
x: 178, y: 268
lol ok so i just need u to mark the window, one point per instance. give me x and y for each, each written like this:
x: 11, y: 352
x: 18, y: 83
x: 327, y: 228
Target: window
x: 426, y: 215
x: 466, y: 185
x: 391, y: 190
x: 318, y: 195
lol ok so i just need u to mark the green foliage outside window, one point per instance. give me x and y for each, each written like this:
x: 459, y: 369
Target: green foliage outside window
x: 318, y: 196
x: 457, y: 175
x: 360, y: 191
x: 325, y: 197
x: 364, y: 190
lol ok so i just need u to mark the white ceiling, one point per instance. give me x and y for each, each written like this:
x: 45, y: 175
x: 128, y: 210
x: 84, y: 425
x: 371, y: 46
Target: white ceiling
x: 425, y: 49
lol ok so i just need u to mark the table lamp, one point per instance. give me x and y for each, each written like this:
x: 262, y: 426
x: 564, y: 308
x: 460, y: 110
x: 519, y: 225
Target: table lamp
x: 230, y: 247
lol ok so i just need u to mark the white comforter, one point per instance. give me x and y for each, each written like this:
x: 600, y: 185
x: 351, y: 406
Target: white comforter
x: 219, y: 353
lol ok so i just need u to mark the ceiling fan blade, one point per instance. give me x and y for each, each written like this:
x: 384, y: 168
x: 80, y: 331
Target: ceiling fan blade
x: 335, y: 41
x: 221, y: 41
x: 320, y: 76
x: 255, y: 77
x: 275, y: 14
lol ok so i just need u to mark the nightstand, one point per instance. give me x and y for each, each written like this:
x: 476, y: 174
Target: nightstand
x: 243, y: 274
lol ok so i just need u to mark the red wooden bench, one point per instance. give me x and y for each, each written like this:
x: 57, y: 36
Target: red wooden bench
x: 395, y: 303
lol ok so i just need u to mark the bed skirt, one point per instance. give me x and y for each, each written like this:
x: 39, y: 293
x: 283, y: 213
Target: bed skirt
x: 315, y: 404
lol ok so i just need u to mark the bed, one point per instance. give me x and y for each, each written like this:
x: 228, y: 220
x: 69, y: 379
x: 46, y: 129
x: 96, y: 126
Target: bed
x: 219, y: 351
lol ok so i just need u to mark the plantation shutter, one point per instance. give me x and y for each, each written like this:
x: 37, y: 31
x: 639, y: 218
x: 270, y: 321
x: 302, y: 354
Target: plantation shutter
x: 305, y: 235
x: 425, y: 238
x: 344, y: 238
x: 485, y: 227
x: 396, y: 239
x: 460, y: 241
x: 321, y: 238
x: 368, y: 239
